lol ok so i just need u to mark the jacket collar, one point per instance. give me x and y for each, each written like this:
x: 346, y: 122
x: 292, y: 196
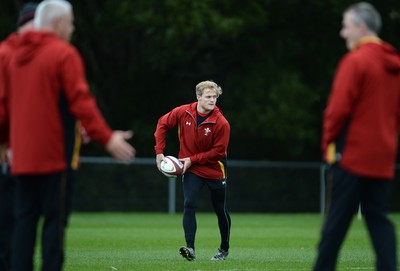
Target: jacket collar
x: 212, y: 118
x: 368, y: 39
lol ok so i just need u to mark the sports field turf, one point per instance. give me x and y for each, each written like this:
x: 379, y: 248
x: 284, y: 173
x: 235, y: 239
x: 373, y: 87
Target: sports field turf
x: 132, y: 241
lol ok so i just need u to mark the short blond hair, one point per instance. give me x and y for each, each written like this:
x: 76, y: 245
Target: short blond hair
x: 200, y: 87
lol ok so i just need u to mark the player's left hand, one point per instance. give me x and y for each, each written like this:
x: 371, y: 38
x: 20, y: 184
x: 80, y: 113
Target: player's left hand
x: 187, y: 163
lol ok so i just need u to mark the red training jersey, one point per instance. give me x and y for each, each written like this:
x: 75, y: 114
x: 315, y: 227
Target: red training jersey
x: 205, y: 144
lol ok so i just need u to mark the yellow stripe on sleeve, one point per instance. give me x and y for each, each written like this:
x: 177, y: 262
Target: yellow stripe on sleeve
x: 77, y: 147
x: 331, y: 154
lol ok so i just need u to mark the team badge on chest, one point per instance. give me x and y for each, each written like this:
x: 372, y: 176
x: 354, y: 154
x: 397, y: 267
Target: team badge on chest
x: 207, y: 131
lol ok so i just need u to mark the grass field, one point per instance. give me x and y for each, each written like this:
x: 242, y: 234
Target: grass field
x: 131, y: 241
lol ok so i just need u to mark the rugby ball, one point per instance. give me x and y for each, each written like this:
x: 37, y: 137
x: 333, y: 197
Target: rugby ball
x: 171, y: 167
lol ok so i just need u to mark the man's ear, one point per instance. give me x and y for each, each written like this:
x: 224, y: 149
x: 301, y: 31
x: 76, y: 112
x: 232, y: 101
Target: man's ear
x: 363, y: 27
x: 57, y: 25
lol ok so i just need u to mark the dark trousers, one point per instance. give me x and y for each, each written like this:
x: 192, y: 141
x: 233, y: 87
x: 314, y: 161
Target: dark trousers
x: 192, y: 185
x: 36, y: 196
x: 7, y: 190
x: 347, y: 192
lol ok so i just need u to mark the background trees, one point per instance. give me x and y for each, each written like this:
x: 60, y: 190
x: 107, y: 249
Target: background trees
x: 274, y: 60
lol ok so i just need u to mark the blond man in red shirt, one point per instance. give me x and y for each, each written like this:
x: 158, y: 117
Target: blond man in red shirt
x: 204, y: 137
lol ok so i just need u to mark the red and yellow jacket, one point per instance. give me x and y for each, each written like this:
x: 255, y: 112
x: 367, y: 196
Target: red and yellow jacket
x: 363, y: 112
x: 47, y: 90
x: 6, y: 49
x: 206, y: 145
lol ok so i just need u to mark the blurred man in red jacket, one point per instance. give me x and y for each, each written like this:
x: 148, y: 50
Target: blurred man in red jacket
x: 46, y: 92
x: 7, y: 183
x: 360, y: 130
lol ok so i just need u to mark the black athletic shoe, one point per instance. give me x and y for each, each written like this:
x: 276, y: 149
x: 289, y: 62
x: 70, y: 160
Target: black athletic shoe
x: 187, y: 253
x: 221, y: 255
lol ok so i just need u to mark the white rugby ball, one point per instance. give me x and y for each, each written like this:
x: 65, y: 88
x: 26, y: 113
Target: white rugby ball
x: 171, y: 167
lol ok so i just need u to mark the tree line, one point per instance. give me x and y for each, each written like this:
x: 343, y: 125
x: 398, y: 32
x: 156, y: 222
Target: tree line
x: 273, y: 59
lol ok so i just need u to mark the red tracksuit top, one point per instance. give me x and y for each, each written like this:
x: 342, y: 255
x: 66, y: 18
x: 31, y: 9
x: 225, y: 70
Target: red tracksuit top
x: 6, y: 49
x: 363, y: 110
x: 205, y: 145
x: 47, y: 83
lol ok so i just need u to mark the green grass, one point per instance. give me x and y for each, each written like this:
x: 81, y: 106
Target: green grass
x: 131, y: 241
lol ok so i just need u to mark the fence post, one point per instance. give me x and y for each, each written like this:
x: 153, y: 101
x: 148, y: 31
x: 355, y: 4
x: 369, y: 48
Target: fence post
x: 171, y: 195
